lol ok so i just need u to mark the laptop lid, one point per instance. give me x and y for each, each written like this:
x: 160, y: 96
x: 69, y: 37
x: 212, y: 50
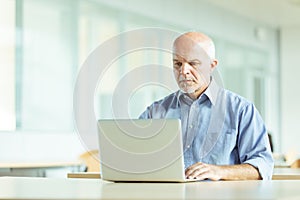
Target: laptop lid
x: 141, y: 150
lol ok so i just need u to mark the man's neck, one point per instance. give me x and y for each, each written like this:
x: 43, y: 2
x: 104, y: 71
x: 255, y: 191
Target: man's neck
x: 195, y: 95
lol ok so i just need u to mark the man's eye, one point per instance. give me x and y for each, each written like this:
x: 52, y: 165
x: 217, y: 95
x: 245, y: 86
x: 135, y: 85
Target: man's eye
x: 177, y: 64
x: 193, y: 63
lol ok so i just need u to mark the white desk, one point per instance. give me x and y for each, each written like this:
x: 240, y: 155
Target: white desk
x: 50, y: 188
x: 278, y: 174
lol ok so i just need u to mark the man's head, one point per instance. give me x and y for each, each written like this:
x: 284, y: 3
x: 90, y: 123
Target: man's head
x: 193, y: 62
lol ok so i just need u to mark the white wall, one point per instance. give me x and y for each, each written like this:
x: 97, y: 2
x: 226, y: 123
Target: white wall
x: 200, y: 15
x: 290, y: 95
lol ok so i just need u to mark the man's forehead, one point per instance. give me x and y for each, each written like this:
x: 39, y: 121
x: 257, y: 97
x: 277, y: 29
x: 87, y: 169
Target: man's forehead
x: 179, y: 57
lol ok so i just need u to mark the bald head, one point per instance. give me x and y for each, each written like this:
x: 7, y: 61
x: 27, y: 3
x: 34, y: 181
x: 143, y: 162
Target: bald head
x: 198, y: 38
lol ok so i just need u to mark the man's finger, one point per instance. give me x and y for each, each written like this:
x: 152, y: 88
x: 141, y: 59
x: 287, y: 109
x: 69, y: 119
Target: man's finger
x: 190, y: 170
x: 200, y: 170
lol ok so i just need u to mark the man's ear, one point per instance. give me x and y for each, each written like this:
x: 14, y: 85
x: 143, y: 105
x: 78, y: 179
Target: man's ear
x: 214, y: 63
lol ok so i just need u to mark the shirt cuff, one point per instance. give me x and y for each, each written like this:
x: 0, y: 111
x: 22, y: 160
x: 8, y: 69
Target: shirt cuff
x: 265, y: 168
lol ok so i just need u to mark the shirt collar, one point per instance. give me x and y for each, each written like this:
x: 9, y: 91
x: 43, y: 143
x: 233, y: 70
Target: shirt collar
x: 185, y: 98
x: 212, y: 91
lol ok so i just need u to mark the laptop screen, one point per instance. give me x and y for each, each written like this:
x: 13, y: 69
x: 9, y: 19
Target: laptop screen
x: 141, y: 149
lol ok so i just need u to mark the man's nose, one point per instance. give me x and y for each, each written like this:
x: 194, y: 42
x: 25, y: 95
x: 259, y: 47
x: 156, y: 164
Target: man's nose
x: 185, y: 68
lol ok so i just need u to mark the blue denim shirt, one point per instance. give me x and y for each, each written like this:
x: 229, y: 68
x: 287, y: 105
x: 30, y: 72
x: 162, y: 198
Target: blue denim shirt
x: 219, y: 128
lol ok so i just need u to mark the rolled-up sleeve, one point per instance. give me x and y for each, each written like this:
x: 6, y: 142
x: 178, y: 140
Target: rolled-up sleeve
x: 253, y: 144
x: 145, y: 114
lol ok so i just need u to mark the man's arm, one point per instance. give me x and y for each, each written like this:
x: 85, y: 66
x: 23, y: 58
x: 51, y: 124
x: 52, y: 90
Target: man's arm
x: 203, y: 171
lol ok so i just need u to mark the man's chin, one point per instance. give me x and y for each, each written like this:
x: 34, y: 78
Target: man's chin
x: 188, y: 91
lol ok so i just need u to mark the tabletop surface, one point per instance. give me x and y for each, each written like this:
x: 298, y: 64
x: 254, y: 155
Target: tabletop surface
x: 63, y: 188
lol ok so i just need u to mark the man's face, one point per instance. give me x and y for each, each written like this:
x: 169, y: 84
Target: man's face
x: 192, y: 66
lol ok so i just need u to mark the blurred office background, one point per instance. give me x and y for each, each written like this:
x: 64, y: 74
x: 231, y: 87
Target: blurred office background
x: 43, y: 44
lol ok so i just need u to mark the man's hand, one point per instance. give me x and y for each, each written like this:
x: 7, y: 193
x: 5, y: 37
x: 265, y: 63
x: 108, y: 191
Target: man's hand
x: 204, y: 171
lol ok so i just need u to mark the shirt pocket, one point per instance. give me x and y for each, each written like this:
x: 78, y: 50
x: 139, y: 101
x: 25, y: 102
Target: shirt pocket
x: 225, y: 151
x: 230, y: 139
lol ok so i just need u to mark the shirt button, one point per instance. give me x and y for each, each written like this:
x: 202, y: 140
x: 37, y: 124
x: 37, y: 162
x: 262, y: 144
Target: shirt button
x: 188, y: 146
x: 190, y: 126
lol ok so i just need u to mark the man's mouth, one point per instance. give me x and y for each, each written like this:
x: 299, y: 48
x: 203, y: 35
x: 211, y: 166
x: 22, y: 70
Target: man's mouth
x: 186, y: 81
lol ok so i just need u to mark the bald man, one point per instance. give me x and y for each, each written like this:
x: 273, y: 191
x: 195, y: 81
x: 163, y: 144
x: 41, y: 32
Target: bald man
x: 224, y: 136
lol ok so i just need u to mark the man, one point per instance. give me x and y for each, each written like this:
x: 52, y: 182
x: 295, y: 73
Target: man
x: 224, y: 136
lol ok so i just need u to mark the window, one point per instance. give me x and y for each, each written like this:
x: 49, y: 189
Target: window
x: 7, y: 65
x: 54, y: 39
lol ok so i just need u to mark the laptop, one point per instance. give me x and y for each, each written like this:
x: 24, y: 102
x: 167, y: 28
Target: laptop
x: 141, y: 150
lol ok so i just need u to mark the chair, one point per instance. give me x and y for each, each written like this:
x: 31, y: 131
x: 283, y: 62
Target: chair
x: 91, y: 160
x: 271, y: 142
x: 296, y: 164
